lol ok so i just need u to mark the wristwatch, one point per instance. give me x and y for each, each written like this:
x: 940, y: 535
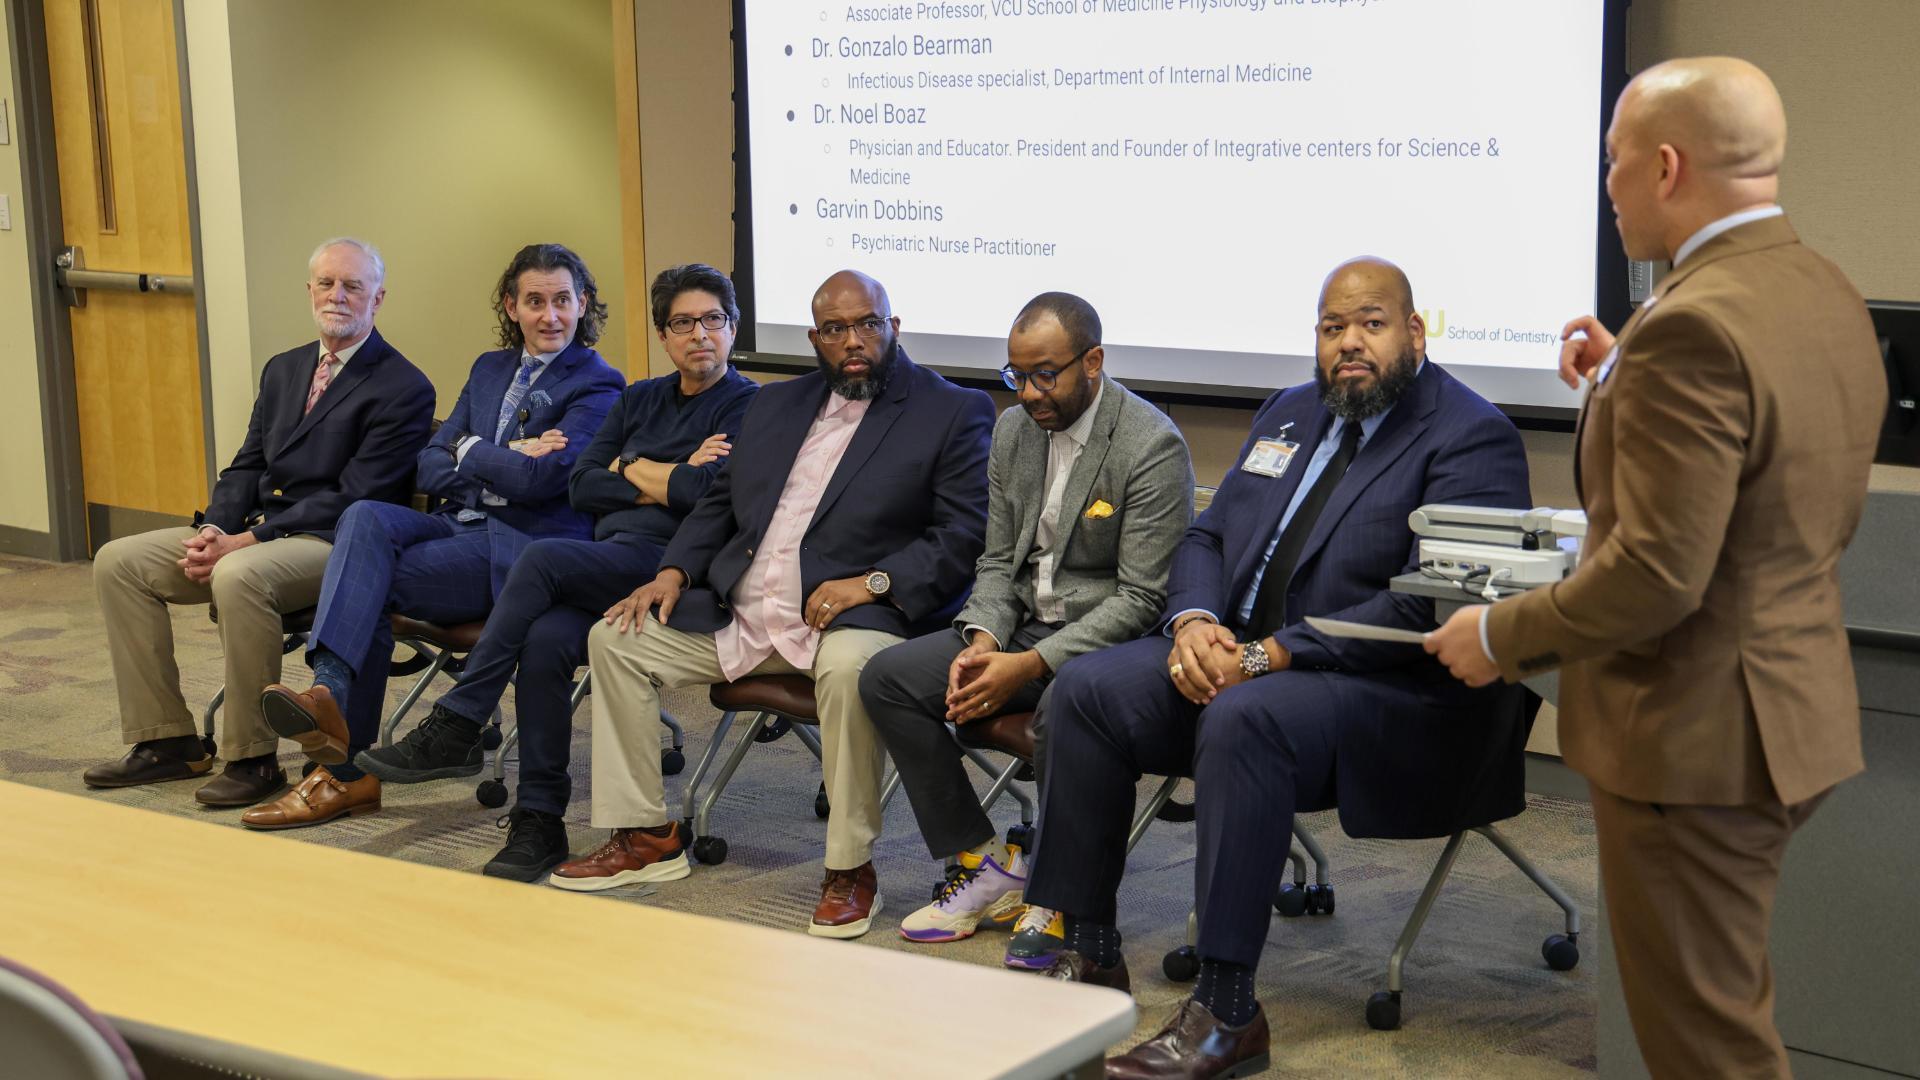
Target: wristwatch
x: 627, y: 460
x: 1254, y: 660
x: 879, y: 584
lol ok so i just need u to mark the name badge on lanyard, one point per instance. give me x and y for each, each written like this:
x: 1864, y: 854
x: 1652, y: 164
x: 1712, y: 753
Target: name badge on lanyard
x: 1271, y: 455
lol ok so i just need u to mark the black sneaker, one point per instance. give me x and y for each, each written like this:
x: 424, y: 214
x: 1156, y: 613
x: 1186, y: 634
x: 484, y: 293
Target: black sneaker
x: 445, y: 744
x: 536, y: 843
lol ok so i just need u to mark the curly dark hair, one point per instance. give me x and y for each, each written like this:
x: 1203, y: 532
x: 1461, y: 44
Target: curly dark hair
x: 690, y: 277
x: 548, y: 257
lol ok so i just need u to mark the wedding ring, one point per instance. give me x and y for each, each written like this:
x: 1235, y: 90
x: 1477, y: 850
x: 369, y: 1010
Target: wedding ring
x: 1176, y: 669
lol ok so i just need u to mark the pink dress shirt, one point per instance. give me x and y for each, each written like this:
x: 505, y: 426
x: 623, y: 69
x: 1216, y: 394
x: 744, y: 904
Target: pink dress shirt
x: 766, y: 603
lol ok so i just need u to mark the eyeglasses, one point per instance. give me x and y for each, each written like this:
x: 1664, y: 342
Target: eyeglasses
x: 712, y: 320
x: 834, y: 333
x: 1043, y: 380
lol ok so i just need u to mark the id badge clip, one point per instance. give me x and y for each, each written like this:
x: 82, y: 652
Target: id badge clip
x: 1271, y: 455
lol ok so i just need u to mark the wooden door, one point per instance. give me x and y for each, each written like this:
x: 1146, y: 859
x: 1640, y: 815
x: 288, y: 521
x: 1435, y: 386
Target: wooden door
x: 121, y: 152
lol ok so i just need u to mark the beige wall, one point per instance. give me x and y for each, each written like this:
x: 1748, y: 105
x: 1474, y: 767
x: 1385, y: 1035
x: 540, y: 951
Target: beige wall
x: 447, y: 132
x: 23, y: 483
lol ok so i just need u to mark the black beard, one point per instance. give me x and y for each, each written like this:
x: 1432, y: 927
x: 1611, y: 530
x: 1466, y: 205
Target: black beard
x: 1379, y: 395
x: 860, y: 389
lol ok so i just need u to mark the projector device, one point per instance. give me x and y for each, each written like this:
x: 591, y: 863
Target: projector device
x: 1488, y: 549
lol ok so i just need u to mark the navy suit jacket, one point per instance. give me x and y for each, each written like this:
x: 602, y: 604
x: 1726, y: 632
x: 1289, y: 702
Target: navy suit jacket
x: 909, y: 497
x: 298, y: 471
x: 1420, y: 771
x: 573, y: 393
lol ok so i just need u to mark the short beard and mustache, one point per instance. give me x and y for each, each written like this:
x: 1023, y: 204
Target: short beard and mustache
x: 878, y: 372
x: 1374, y: 397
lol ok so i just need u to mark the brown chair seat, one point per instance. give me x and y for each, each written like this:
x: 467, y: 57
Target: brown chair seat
x: 790, y: 696
x: 460, y: 637
x: 1009, y: 734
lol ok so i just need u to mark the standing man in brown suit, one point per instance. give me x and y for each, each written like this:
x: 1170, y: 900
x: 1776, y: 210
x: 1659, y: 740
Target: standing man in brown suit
x: 1722, y: 455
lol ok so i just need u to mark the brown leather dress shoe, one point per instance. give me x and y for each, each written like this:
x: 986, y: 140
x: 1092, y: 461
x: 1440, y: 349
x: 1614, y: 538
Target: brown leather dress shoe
x: 311, y: 719
x: 145, y: 765
x: 849, y: 899
x: 1070, y: 966
x: 629, y: 857
x: 243, y: 783
x: 1196, y: 1046
x: 320, y: 798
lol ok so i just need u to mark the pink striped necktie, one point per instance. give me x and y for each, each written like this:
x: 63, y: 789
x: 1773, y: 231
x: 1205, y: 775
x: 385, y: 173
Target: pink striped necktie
x: 322, y: 378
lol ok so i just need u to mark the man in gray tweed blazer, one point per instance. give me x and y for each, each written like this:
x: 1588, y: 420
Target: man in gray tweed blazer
x: 1088, y: 490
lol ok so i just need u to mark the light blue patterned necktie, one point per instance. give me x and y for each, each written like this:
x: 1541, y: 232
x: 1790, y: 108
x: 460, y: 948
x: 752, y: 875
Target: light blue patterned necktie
x: 528, y: 365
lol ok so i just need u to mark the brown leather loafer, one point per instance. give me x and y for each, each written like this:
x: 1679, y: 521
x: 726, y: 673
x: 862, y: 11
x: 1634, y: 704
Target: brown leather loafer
x: 629, y: 857
x: 1070, y: 966
x: 311, y: 719
x: 145, y: 765
x: 849, y: 899
x: 243, y: 783
x: 1196, y: 1046
x: 319, y: 799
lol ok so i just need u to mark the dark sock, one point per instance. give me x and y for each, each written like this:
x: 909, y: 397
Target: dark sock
x: 1227, y: 991
x: 333, y: 673
x: 1095, y: 941
x: 178, y: 747
x: 347, y: 772
x: 459, y: 720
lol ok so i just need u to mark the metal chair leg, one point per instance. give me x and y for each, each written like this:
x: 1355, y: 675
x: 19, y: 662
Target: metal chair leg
x: 419, y: 687
x: 706, y: 761
x: 704, y: 809
x: 1411, y: 931
x: 1534, y: 873
x: 1322, y: 870
x: 810, y: 739
x: 213, y: 709
x: 888, y: 791
x: 1152, y: 809
x: 673, y: 727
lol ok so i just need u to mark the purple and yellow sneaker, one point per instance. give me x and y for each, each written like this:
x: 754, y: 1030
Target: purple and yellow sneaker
x: 979, y: 889
x: 1037, y: 940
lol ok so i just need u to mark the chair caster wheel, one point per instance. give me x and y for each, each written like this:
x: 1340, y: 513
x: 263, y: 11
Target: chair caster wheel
x: 1176, y: 811
x: 1182, y: 964
x: 780, y: 726
x: 710, y: 850
x: 821, y: 807
x: 672, y: 762
x: 307, y: 769
x: 1383, y: 1010
x: 207, y: 744
x: 1562, y: 951
x: 1291, y: 903
x: 490, y: 738
x: 1021, y: 836
x: 1319, y: 899
x: 491, y: 793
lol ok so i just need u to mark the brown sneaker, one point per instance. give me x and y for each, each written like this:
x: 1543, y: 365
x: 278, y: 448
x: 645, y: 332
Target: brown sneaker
x: 1196, y: 1045
x: 849, y: 899
x: 1070, y: 966
x: 320, y: 798
x: 629, y: 856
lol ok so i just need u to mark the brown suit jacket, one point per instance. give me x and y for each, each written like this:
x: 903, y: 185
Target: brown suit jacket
x: 1723, y: 466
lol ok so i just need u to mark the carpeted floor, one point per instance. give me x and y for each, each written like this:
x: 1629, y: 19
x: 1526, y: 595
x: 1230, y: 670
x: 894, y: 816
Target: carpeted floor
x: 1480, y: 1002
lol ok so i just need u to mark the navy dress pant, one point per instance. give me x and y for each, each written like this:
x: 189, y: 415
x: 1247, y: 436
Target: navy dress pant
x: 536, y: 638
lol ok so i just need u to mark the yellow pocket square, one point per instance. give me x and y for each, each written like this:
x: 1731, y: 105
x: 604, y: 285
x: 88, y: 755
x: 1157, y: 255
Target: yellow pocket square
x: 1101, y: 508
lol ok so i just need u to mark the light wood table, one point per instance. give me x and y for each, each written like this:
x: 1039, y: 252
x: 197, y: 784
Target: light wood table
x: 378, y: 966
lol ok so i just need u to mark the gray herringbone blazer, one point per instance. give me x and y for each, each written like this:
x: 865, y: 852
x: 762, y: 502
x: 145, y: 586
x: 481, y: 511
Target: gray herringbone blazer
x: 1135, y: 477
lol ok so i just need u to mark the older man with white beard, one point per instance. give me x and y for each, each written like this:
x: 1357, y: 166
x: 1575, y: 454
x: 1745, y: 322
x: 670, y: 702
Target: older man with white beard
x: 336, y: 421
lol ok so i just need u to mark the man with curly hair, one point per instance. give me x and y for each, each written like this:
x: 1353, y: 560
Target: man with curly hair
x: 499, y: 466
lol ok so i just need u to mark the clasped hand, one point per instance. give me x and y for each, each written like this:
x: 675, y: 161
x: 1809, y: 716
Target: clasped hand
x: 1205, y: 660
x: 982, y: 679
x: 207, y: 547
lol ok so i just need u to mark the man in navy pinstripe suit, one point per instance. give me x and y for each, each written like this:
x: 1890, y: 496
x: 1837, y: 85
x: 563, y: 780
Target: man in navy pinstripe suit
x: 500, y: 465
x: 1267, y: 715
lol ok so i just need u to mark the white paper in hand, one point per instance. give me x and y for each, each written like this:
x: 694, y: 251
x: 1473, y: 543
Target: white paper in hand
x: 1365, y: 631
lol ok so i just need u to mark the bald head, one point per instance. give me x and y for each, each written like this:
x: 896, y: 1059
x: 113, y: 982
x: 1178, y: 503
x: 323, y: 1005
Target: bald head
x: 850, y: 288
x: 1723, y: 114
x: 1369, y: 274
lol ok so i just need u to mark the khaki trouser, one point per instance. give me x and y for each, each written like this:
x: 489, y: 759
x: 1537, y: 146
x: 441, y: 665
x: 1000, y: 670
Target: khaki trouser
x: 630, y: 670
x: 1689, y: 894
x: 136, y: 577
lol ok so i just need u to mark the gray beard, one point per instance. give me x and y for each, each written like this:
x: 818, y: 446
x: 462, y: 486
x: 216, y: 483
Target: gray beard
x: 1386, y: 390
x: 860, y: 389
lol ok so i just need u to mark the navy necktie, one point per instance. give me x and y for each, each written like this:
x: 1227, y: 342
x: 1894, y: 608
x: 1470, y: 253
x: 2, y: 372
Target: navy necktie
x: 1270, y: 604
